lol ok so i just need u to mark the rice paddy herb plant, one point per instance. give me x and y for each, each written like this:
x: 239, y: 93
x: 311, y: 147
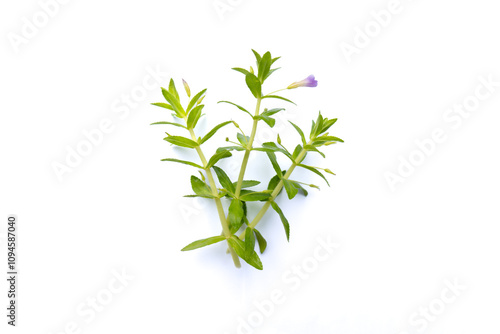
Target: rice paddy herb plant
x: 238, y: 229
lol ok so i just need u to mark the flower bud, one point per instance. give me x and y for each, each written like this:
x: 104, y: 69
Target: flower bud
x: 186, y: 87
x: 199, y: 101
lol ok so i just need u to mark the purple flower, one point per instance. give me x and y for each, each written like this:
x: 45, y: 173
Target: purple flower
x: 307, y: 82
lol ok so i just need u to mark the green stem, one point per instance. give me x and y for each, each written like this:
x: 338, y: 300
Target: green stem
x: 279, y: 90
x: 218, y: 203
x: 276, y: 191
x: 248, y: 149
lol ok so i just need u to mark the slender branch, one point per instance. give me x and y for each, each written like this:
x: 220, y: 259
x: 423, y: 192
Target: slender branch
x: 218, y: 203
x: 276, y: 191
x: 248, y: 149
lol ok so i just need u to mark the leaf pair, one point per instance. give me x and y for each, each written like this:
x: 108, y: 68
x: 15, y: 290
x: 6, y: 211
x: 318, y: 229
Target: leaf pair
x: 253, y: 81
x: 243, y: 249
x: 172, y: 97
x: 250, y: 257
x: 320, y: 127
x: 265, y: 116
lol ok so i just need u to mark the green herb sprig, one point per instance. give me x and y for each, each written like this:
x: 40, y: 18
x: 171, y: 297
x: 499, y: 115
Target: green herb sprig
x: 237, y: 194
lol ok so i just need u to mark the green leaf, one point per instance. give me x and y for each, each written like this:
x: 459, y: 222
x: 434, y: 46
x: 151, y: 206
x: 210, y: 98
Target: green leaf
x: 270, y: 121
x: 242, y: 139
x: 254, y: 84
x: 273, y: 183
x: 286, y: 225
x: 163, y: 105
x: 235, y: 215
x: 264, y: 66
x: 200, y: 188
x: 247, y: 184
x: 245, y: 213
x: 249, y: 242
x: 325, y: 139
x: 195, y: 99
x: 230, y: 148
x: 203, y: 243
x: 216, y: 157
x: 257, y: 56
x: 239, y: 248
x: 194, y: 116
x: 299, y: 188
x: 260, y: 240
x: 290, y: 188
x: 314, y: 170
x: 213, y: 131
x: 172, y: 89
x: 183, y: 162
x: 296, y: 152
x: 224, y: 180
x: 237, y: 106
x: 272, y: 147
x: 274, y: 162
x: 314, y: 149
x: 170, y: 123
x: 277, y: 97
x: 254, y: 196
x: 271, y: 72
x: 271, y: 112
x: 181, y: 141
x: 300, y: 133
x: 327, y: 124
x: 317, y: 126
x: 241, y: 70
x: 174, y: 103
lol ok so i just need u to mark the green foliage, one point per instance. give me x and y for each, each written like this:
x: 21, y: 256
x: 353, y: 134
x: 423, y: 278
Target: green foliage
x: 170, y: 123
x: 274, y: 162
x: 231, y: 196
x: 290, y: 188
x: 163, y: 105
x: 237, y: 106
x: 203, y: 243
x: 194, y: 116
x: 181, y: 141
x: 260, y: 240
x: 213, y: 131
x: 248, y: 184
x: 302, y: 137
x: 200, y: 188
x: 249, y: 242
x: 254, y: 84
x: 195, y: 100
x: 224, y: 180
x: 239, y: 247
x: 284, y: 221
x: 235, y: 216
x: 278, y: 97
x: 315, y: 171
x: 252, y: 196
x: 174, y: 102
x: 216, y: 157
x: 183, y: 162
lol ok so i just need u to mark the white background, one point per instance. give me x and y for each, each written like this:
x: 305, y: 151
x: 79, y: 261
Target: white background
x: 122, y: 208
